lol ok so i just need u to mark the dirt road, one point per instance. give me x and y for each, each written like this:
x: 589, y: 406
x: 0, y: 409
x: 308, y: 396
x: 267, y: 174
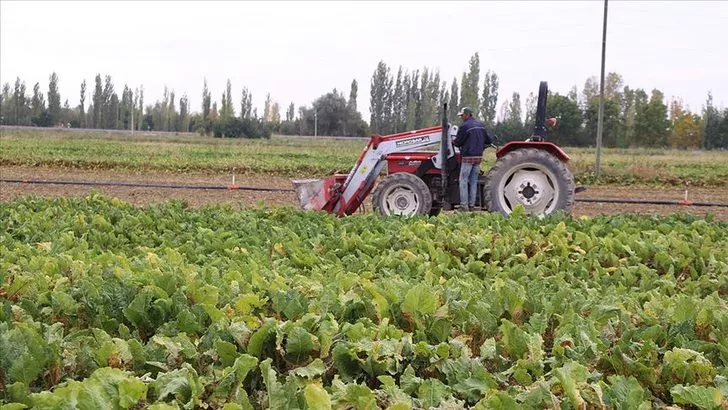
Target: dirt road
x: 198, y: 197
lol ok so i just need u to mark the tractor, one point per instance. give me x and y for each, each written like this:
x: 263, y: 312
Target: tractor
x: 533, y: 173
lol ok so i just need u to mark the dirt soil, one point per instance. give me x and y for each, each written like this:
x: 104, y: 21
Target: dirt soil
x: 141, y: 196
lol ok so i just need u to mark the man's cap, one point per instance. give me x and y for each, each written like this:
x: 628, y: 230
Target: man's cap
x: 465, y: 110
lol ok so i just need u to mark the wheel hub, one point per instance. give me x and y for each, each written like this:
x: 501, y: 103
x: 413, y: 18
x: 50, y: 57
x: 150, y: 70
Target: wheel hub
x: 530, y: 187
x: 401, y: 201
x: 528, y: 191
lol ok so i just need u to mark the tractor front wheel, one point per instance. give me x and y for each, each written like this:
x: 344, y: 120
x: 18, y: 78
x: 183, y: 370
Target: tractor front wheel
x: 402, y: 194
x: 531, y: 177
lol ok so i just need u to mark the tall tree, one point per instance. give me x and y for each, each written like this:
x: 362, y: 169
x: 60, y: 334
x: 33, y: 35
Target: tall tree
x: 568, y: 130
x: 332, y: 115
x: 353, y: 95
x: 38, y: 107
x: 113, y: 111
x: 590, y: 91
x: 290, y: 112
x: 126, y: 107
x: 651, y: 122
x: 275, y: 114
x: 229, y: 110
x: 424, y: 97
x: 684, y: 127
x: 710, y: 124
x: 223, y: 107
x: 206, y: 100
x: 613, y: 84
x: 627, y: 116
x: 515, y: 116
x: 431, y: 102
x: 611, y: 121
x: 399, y: 101
x: 81, y: 106
x: 490, y: 98
x: 379, y: 103
x: 530, y: 122
x: 109, y: 111
x: 246, y: 104
x: 54, y: 99
x: 214, y: 115
x: 573, y: 94
x: 20, y: 110
x: 452, y: 107
x: 267, y: 109
x: 140, y: 116
x: 171, y: 113
x: 444, y: 98
x: 98, y: 100
x: 413, y: 99
x: 5, y: 106
x: 613, y: 107
x: 469, y: 89
x: 184, y: 114
x: 721, y: 140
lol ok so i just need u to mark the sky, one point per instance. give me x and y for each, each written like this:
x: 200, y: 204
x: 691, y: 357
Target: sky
x: 297, y: 51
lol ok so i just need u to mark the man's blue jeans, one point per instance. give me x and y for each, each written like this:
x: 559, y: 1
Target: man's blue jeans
x: 468, y: 184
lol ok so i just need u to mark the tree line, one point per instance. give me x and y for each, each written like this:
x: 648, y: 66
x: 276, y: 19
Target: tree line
x: 103, y: 108
x: 412, y: 99
x: 401, y: 101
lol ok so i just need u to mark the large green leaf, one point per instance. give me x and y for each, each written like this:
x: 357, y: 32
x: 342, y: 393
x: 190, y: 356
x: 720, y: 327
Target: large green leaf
x: 300, y: 344
x: 571, y: 376
x: 420, y: 299
x: 23, y: 353
x: 317, y: 398
x: 105, y: 388
x: 181, y: 385
x: 705, y: 398
x: 626, y: 393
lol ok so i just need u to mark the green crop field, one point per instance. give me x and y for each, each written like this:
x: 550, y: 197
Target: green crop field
x: 107, y: 305
x: 296, y: 157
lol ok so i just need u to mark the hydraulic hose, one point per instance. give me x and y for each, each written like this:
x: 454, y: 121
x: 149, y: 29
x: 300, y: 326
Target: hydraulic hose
x: 270, y: 189
x: 133, y: 184
x: 651, y: 202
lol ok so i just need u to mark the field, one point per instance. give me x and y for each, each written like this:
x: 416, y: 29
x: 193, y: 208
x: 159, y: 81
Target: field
x: 130, y: 297
x: 296, y: 157
x: 171, y: 307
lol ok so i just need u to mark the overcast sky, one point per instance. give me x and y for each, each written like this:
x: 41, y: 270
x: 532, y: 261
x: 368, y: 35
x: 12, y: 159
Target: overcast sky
x: 300, y: 50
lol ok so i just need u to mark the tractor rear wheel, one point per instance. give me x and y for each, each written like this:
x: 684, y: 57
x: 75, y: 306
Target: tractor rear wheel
x: 531, y: 177
x: 402, y: 194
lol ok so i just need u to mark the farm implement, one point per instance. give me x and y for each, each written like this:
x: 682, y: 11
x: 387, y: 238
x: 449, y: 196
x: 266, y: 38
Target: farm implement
x: 533, y: 173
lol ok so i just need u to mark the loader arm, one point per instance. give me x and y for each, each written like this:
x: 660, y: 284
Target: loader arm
x: 345, y: 197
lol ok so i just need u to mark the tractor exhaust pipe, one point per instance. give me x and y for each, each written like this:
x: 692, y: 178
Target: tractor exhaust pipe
x: 444, y: 154
x: 539, y: 130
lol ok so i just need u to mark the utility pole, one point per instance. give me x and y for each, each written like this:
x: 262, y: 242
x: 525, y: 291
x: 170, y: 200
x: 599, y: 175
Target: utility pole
x: 600, y: 123
x: 315, y: 123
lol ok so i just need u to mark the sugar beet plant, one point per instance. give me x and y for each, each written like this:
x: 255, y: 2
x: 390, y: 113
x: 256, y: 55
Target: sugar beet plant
x: 109, y: 306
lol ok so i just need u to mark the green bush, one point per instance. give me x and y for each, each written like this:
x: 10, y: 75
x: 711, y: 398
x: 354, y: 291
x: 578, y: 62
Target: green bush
x: 241, y: 128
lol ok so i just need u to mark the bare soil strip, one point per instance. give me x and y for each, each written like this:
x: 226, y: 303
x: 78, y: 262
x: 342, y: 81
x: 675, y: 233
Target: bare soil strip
x: 141, y: 196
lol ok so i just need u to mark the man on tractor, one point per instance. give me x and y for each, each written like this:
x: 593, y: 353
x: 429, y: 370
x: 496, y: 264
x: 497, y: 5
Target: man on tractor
x: 472, y: 138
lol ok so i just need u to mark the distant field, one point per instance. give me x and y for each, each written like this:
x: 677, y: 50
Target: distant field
x: 298, y: 156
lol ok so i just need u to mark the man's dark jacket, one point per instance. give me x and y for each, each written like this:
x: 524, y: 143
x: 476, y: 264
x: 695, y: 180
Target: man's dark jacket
x: 472, y: 138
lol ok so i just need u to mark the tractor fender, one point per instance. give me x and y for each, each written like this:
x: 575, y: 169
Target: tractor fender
x: 544, y: 145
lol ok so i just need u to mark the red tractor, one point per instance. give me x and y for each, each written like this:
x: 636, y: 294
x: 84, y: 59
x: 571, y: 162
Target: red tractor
x: 532, y: 173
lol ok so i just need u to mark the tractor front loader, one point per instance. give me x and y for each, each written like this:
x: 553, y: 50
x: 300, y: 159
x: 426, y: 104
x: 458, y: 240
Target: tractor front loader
x: 533, y: 173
